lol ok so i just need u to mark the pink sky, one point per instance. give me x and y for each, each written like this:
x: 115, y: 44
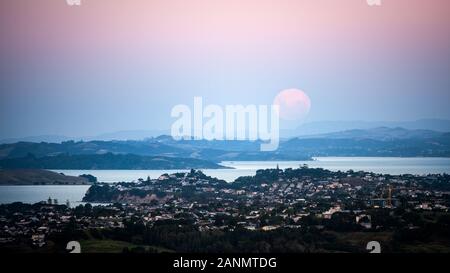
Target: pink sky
x: 145, y: 56
x: 224, y: 27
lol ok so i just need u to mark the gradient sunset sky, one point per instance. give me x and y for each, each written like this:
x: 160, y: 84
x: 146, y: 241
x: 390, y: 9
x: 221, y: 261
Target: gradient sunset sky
x: 111, y: 65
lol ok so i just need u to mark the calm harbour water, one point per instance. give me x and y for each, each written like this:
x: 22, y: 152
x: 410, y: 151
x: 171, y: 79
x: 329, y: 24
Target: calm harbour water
x: 32, y: 194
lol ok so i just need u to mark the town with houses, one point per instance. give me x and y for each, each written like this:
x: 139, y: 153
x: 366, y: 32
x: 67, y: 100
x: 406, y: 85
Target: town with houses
x: 299, y: 200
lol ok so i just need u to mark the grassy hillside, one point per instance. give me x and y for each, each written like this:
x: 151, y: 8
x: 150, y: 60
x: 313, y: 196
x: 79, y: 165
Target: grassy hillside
x: 39, y: 177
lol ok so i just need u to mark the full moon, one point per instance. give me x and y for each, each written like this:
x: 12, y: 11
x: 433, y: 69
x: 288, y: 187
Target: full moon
x: 294, y: 104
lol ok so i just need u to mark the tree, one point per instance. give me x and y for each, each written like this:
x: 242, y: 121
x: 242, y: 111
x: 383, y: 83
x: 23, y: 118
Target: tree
x: 89, y: 177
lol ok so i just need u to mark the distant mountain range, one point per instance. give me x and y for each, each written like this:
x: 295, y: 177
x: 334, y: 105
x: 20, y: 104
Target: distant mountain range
x: 120, y: 135
x: 165, y: 153
x: 380, y: 133
x: 307, y: 129
x: 324, y: 127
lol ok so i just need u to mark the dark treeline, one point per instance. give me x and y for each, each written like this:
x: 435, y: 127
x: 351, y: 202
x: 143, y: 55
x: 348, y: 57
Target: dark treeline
x: 311, y: 234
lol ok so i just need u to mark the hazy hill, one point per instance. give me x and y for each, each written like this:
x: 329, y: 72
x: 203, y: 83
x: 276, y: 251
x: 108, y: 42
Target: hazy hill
x: 381, y: 141
x: 379, y: 133
x: 165, y: 153
x: 165, y: 146
x: 306, y: 129
x: 324, y: 127
x: 38, y: 177
x: 144, y: 148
